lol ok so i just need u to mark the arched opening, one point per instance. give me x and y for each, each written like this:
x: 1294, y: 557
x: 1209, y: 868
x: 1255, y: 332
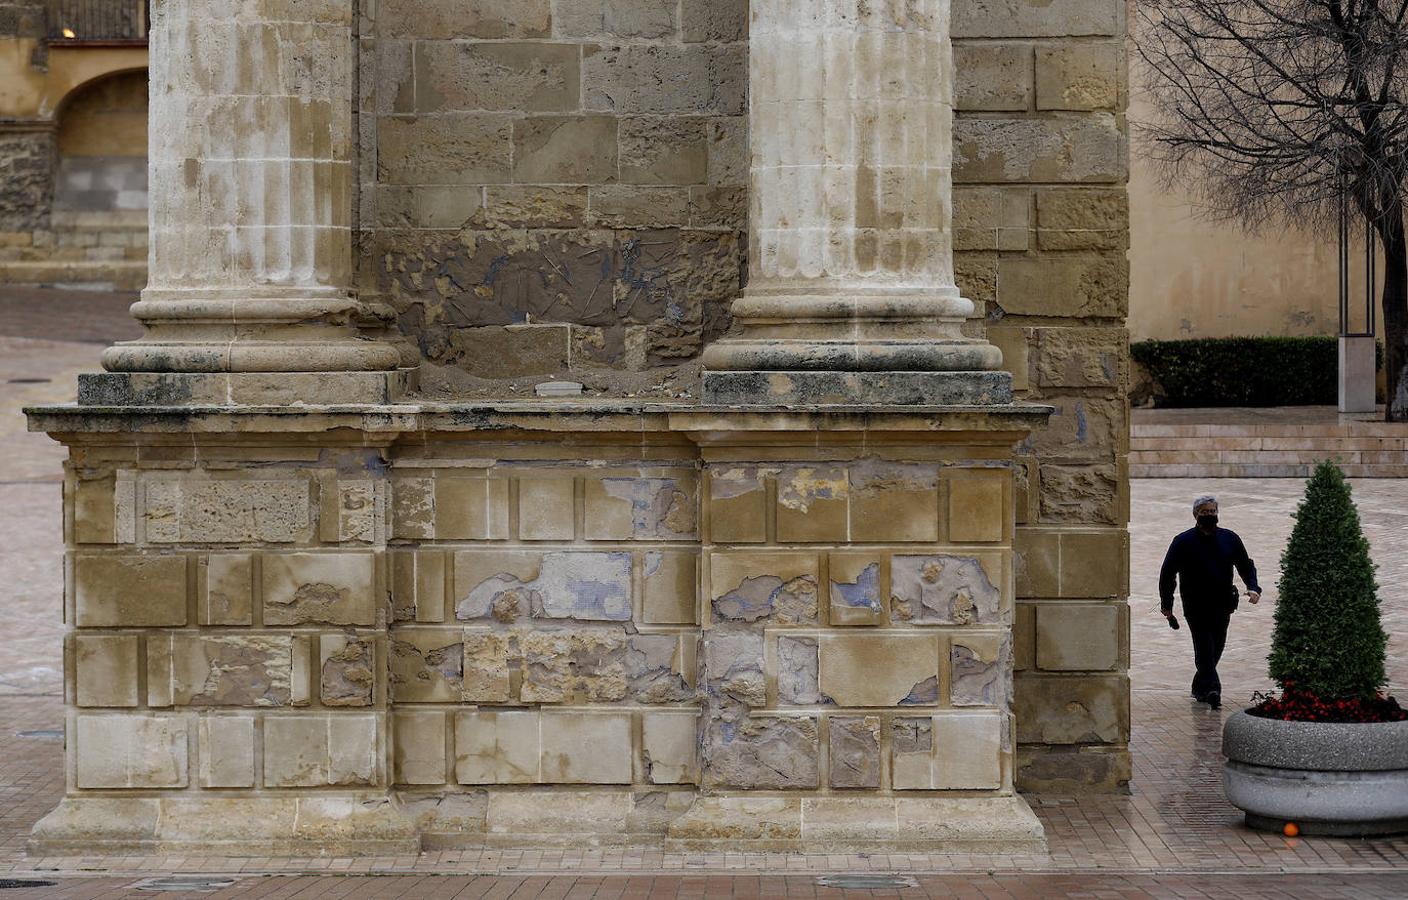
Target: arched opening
x: 102, y: 149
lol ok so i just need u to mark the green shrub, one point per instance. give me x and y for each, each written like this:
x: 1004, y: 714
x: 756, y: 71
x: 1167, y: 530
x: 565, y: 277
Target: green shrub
x: 1242, y: 371
x: 1329, y: 640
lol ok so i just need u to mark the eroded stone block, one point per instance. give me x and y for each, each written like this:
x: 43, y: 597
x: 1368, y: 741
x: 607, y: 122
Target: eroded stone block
x: 486, y: 675
x: 953, y: 751
x: 586, y: 748
x: 778, y: 587
x: 227, y: 596
x: 855, y: 589
x: 230, y: 670
x: 201, y: 511
x: 670, y: 747
x: 625, y: 508
x: 864, y: 669
x: 426, y: 665
x: 812, y: 504
x: 733, y: 665
x: 348, y: 670
x: 894, y: 502
x: 417, y: 585
x: 105, y: 669
x: 978, y: 670
x: 498, y: 747
x: 771, y: 752
x: 131, y: 751
x: 943, y: 589
x: 319, y: 588
x: 413, y: 508
x: 737, y: 505
x: 314, y: 751
x: 555, y: 585
x: 1066, y: 709
x: 226, y: 751
x: 854, y: 750
x: 798, y: 674
x: 507, y: 77
x: 115, y: 591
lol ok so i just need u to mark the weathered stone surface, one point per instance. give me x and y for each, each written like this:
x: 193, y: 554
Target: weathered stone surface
x: 955, y: 590
x: 733, y: 666
x: 628, y: 508
x: 992, y: 76
x: 486, y: 667
x: 500, y: 747
x: 419, y: 740
x: 510, y: 351
x: 979, y: 670
x: 478, y: 76
x: 1087, y: 149
x: 1074, y: 286
x: 1072, y: 709
x: 1035, y: 18
x: 413, y: 508
x: 230, y: 670
x: 866, y: 669
x: 812, y: 503
x: 1083, y: 357
x: 954, y: 751
x: 737, y: 505
x: 599, y: 666
x: 665, y: 80
x: 854, y: 751
x: 1075, y: 637
x: 976, y: 508
x: 1079, y: 493
x: 1073, y: 769
x: 417, y: 585
x: 617, y: 19
x: 426, y: 665
x: 220, y: 511
x: 669, y: 590
x: 558, y: 585
x: 575, y: 748
x: 670, y: 747
x: 27, y: 163
x: 797, y: 672
x: 778, y: 587
x: 627, y: 206
x: 462, y: 148
x: 547, y: 508
x: 105, y: 669
x: 1083, y: 427
x: 771, y: 752
x: 986, y: 218
x: 348, y: 670
x: 1086, y: 219
x: 855, y: 589
x: 147, y: 590
x: 323, y: 588
x: 226, y: 751
x: 441, y: 206
x: 316, y: 751
x: 471, y: 509
x: 534, y: 206
x: 440, y: 19
x: 714, y: 20
x: 892, y: 502
x: 664, y: 150
x: 565, y: 150
x: 1079, y: 76
x: 131, y: 751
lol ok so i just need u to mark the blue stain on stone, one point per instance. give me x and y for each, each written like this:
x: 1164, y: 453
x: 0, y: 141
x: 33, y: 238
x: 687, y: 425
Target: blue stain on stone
x: 1081, y: 426
x: 864, y: 592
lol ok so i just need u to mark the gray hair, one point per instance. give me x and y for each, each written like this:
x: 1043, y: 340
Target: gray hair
x: 1206, y: 498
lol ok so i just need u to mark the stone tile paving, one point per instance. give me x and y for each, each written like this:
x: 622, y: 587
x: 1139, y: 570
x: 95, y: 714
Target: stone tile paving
x: 1174, y: 835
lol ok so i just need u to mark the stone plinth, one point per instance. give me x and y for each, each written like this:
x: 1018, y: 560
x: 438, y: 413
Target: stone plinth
x: 366, y: 629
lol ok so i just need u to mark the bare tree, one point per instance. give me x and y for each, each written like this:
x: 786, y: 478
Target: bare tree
x: 1280, y: 108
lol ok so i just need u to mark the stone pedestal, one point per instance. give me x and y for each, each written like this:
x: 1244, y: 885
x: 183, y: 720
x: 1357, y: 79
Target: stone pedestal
x: 1358, y: 374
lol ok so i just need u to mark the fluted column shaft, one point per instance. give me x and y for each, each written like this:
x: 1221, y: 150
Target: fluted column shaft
x: 251, y: 184
x: 851, y: 262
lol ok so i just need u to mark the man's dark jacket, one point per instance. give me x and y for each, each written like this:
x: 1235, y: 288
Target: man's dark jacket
x: 1203, y: 565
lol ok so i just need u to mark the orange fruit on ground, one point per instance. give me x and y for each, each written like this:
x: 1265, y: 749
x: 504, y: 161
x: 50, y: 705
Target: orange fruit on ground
x: 1291, y: 829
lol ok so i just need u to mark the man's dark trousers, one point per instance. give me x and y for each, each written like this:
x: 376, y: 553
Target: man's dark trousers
x: 1209, y: 631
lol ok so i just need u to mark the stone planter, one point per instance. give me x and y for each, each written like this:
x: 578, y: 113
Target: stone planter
x: 1327, y: 778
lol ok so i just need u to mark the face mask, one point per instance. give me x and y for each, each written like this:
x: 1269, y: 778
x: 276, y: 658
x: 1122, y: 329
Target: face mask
x: 1207, y: 523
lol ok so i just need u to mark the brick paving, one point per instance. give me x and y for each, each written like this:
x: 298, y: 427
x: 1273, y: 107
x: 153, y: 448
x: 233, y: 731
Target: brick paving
x: 1172, y: 836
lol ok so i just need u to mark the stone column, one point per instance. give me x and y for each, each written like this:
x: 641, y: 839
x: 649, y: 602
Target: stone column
x: 251, y: 214
x: 850, y: 262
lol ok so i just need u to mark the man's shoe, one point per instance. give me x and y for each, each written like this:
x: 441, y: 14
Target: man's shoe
x: 1213, y: 699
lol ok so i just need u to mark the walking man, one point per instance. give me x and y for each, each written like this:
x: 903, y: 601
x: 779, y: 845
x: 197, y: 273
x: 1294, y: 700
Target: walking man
x: 1201, y: 559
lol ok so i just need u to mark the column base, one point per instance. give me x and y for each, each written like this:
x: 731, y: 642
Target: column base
x: 243, y: 388
x: 235, y: 826
x: 757, y: 388
x: 988, y: 825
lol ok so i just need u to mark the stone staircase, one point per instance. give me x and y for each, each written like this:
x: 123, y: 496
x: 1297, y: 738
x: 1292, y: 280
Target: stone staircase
x: 92, y: 250
x: 1261, y: 444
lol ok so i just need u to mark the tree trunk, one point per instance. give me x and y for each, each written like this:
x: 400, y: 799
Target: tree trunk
x: 1395, y: 305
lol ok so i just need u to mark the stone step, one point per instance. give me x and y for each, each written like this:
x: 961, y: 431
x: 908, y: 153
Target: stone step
x: 1364, y: 449
x: 119, y: 274
x: 1255, y: 470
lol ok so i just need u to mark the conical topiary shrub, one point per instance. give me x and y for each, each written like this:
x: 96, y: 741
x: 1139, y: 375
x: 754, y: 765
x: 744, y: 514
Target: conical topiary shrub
x: 1327, y: 652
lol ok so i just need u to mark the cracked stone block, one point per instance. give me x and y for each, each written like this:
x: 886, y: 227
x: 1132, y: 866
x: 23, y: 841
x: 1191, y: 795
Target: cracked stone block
x: 669, y: 587
x: 954, y: 751
x: 733, y: 666
x: 226, y: 670
x: 417, y: 585
x: 137, y: 590
x: 556, y: 585
x: 780, y: 588
x: 769, y: 752
x: 586, y: 748
x: 498, y: 747
x: 226, y: 751
x: 105, y: 669
x: 419, y: 741
x: 413, y: 508
x: 426, y: 665
x: 627, y: 508
x: 670, y: 747
x: 606, y: 666
x: 227, y: 589
x: 546, y: 508
x: 348, y: 670
x: 738, y: 505
x: 864, y: 669
x: 202, y: 511
x: 353, y: 514
x: 319, y: 588
x: 131, y: 751
x: 854, y: 585
x: 471, y: 509
x: 894, y: 502
x: 854, y: 750
x: 797, y: 672
x: 978, y: 673
x: 1071, y: 709
x: 942, y: 589
x: 812, y: 504
x: 975, y: 509
x: 486, y: 676
x: 315, y: 751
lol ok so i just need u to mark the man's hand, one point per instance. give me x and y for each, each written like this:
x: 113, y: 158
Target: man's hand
x: 1253, y: 596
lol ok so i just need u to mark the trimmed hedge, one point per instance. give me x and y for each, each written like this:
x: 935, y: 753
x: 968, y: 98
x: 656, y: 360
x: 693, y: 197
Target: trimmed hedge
x: 1243, y: 371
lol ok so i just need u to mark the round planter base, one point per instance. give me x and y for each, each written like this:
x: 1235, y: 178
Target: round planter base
x: 1330, y: 829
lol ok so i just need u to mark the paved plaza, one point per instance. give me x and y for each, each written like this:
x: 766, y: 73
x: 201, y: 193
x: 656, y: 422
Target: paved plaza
x: 1173, y: 835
